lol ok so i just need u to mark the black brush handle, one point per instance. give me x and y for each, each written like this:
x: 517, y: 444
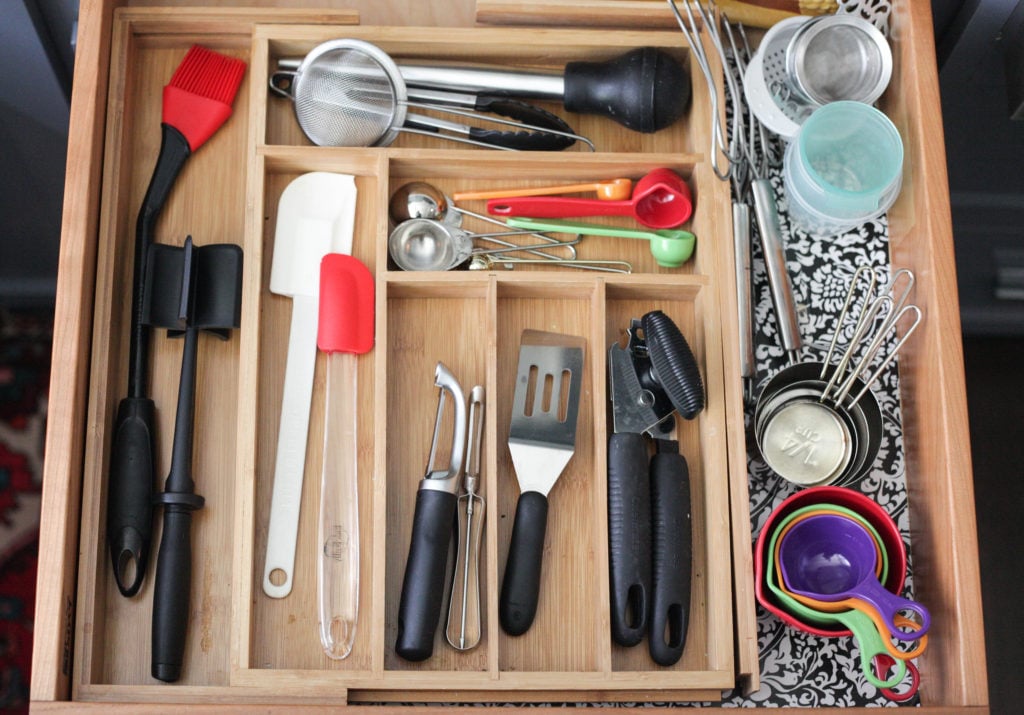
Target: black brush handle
x: 131, y: 482
x: 419, y: 609
x: 130, y: 496
x: 629, y: 536
x: 672, y: 553
x: 520, y: 588
x: 174, y: 151
x: 173, y: 583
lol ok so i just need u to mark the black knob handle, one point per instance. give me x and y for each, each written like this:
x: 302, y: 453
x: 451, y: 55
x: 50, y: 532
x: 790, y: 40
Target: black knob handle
x: 645, y: 89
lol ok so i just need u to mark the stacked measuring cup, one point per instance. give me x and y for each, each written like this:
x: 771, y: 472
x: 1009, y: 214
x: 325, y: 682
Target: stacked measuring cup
x: 829, y: 561
x: 816, y: 423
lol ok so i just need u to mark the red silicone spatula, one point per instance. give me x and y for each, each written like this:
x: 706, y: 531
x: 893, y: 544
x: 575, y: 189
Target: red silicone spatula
x: 345, y: 330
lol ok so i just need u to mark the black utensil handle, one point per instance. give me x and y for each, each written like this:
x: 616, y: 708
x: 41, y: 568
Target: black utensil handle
x: 130, y: 493
x: 173, y: 585
x: 130, y: 484
x: 174, y: 150
x: 520, y: 588
x: 645, y: 89
x: 171, y: 591
x: 419, y: 609
x: 671, y: 556
x: 629, y: 536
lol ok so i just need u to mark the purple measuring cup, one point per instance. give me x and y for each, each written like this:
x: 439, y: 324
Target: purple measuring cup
x: 830, y: 558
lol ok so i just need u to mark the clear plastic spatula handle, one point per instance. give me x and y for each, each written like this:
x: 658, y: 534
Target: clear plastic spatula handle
x: 344, y: 331
x: 338, y: 535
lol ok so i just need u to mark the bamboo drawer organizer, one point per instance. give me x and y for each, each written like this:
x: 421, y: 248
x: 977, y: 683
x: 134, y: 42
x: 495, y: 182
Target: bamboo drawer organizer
x: 246, y: 642
x: 91, y: 645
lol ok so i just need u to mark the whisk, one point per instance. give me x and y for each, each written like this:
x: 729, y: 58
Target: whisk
x: 745, y: 159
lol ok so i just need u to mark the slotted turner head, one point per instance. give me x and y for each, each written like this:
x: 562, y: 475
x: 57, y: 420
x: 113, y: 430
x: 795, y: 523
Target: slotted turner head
x: 542, y: 437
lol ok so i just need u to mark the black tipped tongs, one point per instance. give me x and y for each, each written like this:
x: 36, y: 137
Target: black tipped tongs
x: 650, y: 539
x: 188, y: 290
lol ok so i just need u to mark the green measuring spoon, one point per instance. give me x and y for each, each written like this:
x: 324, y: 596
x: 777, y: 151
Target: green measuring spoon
x: 671, y: 248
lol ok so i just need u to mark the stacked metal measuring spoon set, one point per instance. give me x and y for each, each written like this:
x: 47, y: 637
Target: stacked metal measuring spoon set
x: 816, y: 423
x: 428, y: 235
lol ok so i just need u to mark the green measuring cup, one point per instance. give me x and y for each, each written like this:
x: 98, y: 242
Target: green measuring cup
x: 671, y: 248
x: 867, y: 636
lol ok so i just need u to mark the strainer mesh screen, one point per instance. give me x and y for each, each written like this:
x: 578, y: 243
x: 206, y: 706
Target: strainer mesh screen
x: 345, y: 98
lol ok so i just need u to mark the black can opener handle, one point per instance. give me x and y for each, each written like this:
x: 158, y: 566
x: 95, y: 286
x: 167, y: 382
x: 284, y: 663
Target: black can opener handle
x: 671, y: 555
x: 629, y: 536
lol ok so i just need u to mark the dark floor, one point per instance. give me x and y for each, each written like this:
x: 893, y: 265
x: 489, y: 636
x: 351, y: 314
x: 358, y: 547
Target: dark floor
x: 995, y: 395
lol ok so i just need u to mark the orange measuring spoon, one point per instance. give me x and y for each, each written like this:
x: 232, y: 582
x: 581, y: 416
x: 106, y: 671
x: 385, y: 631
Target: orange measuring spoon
x: 611, y: 190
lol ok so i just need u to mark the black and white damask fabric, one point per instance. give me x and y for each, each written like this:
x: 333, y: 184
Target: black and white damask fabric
x: 799, y: 669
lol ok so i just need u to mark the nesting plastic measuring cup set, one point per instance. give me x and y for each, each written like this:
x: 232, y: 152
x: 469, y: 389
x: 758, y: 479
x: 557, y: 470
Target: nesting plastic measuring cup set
x: 812, y: 82
x: 829, y: 561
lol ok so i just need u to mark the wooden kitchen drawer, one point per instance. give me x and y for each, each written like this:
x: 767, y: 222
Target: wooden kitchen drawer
x: 91, y: 645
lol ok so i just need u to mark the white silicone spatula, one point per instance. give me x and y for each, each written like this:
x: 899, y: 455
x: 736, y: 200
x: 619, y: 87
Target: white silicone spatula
x: 315, y: 216
x: 345, y: 332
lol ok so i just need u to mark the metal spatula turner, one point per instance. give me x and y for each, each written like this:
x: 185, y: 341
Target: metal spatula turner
x: 542, y: 440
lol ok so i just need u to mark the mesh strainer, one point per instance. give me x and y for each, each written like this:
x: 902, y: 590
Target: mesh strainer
x: 350, y: 93
x: 804, y: 63
x: 838, y: 57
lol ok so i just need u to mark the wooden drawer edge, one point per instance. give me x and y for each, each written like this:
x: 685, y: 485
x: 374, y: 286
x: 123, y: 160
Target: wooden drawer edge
x: 937, y: 435
x: 58, y: 538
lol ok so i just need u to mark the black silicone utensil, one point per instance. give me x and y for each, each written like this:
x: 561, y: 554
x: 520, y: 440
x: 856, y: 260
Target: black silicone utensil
x: 196, y: 102
x: 188, y: 290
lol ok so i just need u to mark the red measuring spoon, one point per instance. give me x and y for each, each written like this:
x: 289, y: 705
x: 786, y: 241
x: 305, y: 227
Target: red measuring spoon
x: 661, y: 199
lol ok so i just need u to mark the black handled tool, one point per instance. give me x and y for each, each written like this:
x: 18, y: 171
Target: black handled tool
x: 541, y: 441
x: 671, y: 553
x: 419, y: 609
x: 188, y: 290
x: 644, y: 89
x: 649, y: 537
x: 196, y: 102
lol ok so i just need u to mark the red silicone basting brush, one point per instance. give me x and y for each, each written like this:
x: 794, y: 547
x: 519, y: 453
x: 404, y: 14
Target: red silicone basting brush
x: 195, y: 104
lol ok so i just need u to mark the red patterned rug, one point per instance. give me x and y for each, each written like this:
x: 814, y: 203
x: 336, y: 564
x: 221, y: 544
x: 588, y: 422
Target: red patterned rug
x: 25, y: 345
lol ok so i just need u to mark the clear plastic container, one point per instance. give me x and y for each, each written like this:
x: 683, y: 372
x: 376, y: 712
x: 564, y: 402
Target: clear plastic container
x: 844, y: 168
